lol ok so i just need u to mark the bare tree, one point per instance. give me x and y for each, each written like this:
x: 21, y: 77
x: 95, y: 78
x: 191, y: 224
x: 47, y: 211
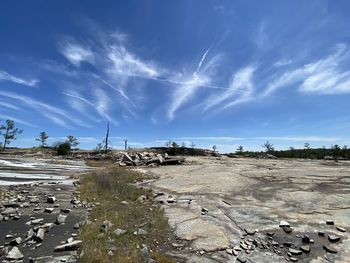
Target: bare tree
x: 106, y: 141
x: 42, y: 139
x: 10, y: 132
x: 168, y: 144
x: 193, y: 145
x: 125, y: 144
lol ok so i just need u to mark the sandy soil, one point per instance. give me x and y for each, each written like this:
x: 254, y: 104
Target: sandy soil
x: 255, y: 194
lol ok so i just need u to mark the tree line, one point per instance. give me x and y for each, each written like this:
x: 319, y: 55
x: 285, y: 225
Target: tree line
x: 335, y: 152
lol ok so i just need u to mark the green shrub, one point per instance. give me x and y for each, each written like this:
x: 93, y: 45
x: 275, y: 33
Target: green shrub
x: 63, y: 148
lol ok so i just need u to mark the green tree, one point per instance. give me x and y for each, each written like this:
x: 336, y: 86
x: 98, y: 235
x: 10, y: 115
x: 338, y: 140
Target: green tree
x: 63, y: 148
x: 10, y: 132
x: 72, y: 140
x: 307, y: 146
x: 336, y: 151
x: 174, y: 145
x: 214, y: 148
x: 42, y: 139
x: 240, y: 149
x: 268, y: 147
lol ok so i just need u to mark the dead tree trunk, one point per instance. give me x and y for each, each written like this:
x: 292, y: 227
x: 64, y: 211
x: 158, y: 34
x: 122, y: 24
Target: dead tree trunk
x: 125, y: 144
x: 106, y: 139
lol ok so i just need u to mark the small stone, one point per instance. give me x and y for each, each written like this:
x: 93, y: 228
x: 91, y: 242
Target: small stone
x: 305, y: 239
x: 36, y: 221
x: 287, y: 229
x: 40, y: 235
x: 229, y: 251
x: 65, y: 210
x: 274, y: 243
x: 237, y: 248
x: 287, y: 244
x: 144, y: 251
x: 61, y: 219
x: 341, y: 229
x: 49, y: 210
x: 305, y: 249
x: 284, y: 223
x: 204, y: 211
x: 270, y: 234
x: 321, y: 233
x: 329, y: 222
x: 142, y: 232
x: 14, y: 254
x: 69, y: 246
x: 329, y: 249
x: 51, y: 199
x: 242, y: 260
x: 293, y: 259
x: 333, y: 238
x: 16, y: 241
x: 8, y: 236
x: 118, y: 232
x: 250, y: 231
x: 295, y: 251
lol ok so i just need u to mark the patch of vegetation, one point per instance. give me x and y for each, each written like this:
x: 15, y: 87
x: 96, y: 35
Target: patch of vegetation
x: 110, y: 186
x: 63, y: 148
x: 309, y: 153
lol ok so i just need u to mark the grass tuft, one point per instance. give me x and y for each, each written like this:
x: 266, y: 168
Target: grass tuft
x: 109, y: 186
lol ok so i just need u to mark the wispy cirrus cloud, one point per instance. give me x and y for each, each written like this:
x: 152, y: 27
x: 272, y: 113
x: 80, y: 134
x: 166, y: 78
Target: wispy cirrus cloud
x: 103, y: 104
x: 191, y: 83
x: 9, y: 105
x: 53, y: 113
x: 240, y: 90
x: 126, y: 63
x: 17, y: 120
x: 324, y: 76
x: 26, y: 82
x: 76, y: 53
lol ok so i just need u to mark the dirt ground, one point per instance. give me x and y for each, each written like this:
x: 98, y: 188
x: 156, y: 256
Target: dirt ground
x: 211, y: 201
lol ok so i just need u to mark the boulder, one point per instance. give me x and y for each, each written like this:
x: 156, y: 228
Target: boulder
x: 14, y: 254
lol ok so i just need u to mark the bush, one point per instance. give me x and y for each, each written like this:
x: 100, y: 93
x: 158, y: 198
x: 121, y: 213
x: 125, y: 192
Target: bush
x: 63, y: 148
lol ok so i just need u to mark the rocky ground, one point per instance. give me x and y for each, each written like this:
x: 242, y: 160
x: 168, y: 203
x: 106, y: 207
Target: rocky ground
x: 256, y: 210
x: 40, y: 211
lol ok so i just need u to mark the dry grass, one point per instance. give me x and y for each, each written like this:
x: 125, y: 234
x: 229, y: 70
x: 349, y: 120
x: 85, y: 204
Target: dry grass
x: 109, y: 186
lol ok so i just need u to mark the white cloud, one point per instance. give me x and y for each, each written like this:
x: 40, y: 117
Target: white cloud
x: 126, y: 63
x: 7, y: 117
x: 283, y: 62
x: 76, y: 53
x: 241, y: 89
x: 9, y: 105
x: 45, y: 109
x: 26, y: 82
x: 324, y: 76
x: 103, y: 104
x: 190, y: 83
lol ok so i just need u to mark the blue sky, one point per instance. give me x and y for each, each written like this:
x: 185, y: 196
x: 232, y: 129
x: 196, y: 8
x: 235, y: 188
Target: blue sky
x: 209, y: 72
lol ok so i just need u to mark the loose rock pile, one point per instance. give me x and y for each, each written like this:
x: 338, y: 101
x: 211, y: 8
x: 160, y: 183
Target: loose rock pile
x: 40, y: 212
x: 148, y: 159
x: 292, y: 246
